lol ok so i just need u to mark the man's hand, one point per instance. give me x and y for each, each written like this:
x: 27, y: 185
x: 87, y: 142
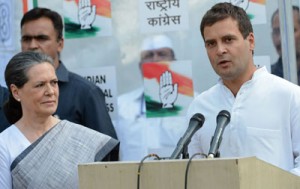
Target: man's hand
x: 86, y: 14
x: 167, y: 91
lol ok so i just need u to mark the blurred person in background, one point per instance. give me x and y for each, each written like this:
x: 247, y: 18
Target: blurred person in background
x: 139, y: 135
x: 277, y: 67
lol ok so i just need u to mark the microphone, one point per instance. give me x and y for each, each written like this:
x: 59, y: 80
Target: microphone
x: 223, y: 119
x: 195, y: 124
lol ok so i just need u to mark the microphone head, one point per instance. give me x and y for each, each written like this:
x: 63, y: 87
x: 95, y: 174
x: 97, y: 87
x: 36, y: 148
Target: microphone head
x: 224, y: 113
x: 198, y: 117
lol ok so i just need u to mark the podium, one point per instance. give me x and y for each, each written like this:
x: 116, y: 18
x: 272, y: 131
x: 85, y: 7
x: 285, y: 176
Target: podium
x: 233, y: 173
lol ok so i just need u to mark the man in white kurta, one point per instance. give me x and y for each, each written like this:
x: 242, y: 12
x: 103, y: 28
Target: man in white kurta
x: 265, y: 109
x: 139, y: 135
x: 265, y: 120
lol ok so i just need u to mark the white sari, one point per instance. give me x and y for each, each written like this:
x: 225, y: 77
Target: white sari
x: 51, y: 161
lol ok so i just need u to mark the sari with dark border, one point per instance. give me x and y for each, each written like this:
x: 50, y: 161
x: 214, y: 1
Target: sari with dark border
x: 52, y: 160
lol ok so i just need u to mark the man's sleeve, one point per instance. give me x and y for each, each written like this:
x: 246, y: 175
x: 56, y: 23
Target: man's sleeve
x: 95, y: 113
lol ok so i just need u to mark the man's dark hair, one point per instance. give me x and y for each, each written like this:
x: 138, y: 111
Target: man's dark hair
x: 222, y: 11
x: 295, y: 8
x: 38, y: 12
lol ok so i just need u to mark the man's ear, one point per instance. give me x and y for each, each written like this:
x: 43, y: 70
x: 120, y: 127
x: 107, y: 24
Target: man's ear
x: 61, y: 43
x: 251, y: 41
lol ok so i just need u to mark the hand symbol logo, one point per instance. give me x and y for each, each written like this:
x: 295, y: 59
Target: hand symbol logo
x: 241, y: 3
x: 86, y: 14
x: 168, y: 91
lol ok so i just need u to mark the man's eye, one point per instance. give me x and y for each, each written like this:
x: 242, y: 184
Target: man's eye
x: 276, y: 31
x: 228, y: 39
x: 26, y: 39
x: 41, y: 38
x: 210, y: 44
x: 148, y: 55
x: 163, y: 54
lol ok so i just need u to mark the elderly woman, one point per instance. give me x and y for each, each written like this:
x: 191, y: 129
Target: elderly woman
x: 38, y: 150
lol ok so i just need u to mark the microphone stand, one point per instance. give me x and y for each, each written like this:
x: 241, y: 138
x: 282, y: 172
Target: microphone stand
x: 185, y: 154
x: 210, y: 156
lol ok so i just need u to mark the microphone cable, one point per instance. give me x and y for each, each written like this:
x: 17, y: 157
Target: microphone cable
x: 188, y: 167
x: 141, y: 164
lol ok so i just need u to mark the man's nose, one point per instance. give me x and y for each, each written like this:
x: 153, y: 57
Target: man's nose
x: 33, y: 44
x: 221, y: 49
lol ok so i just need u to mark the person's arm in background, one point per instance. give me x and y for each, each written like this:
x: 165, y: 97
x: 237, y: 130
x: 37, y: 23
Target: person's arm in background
x: 95, y: 116
x: 3, y: 97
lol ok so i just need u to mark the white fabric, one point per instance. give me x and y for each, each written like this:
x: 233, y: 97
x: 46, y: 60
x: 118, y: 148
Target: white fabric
x: 156, y: 42
x: 265, y: 120
x: 12, y: 143
x: 52, y: 160
x: 140, y: 136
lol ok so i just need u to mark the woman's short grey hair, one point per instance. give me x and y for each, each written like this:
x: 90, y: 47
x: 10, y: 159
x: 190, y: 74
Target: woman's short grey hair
x: 16, y: 73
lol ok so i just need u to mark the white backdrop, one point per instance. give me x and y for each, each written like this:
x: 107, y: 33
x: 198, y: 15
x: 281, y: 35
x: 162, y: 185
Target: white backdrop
x: 122, y: 48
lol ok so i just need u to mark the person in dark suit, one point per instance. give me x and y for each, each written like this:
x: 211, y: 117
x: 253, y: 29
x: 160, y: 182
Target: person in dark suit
x: 3, y: 97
